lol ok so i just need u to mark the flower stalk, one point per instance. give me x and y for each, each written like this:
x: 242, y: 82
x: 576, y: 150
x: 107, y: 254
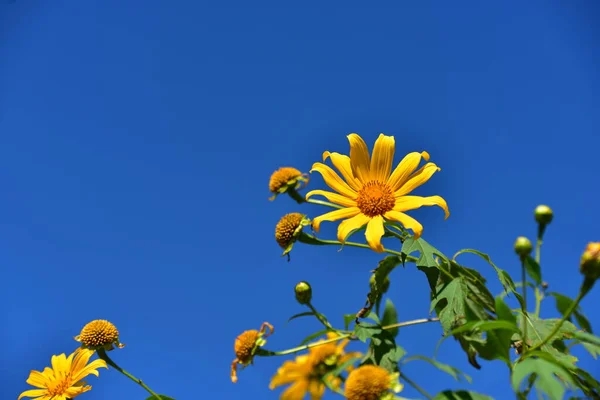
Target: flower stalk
x: 102, y: 355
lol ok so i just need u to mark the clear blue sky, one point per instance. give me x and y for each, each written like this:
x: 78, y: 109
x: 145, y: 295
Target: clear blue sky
x: 137, y: 139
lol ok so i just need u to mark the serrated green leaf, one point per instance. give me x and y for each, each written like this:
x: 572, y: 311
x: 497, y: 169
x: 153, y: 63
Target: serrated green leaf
x: 450, y: 370
x: 390, y: 317
x: 563, y: 303
x: 590, y: 342
x: 549, y: 377
x: 538, y: 329
x: 533, y: 270
x: 347, y: 319
x: 303, y: 314
x: 499, y: 341
x: 461, y: 395
x: 384, y: 352
x: 451, y: 302
x: 162, y: 397
x: 426, y: 251
x: 364, y: 331
x: 313, y: 336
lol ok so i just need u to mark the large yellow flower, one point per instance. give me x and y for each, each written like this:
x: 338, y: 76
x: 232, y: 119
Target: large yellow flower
x: 64, y: 380
x: 305, y: 374
x: 371, y: 192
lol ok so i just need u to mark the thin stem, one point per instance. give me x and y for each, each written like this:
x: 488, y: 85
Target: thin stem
x: 539, y: 296
x: 320, y: 317
x: 350, y: 335
x: 538, y: 250
x: 417, y: 387
x: 324, y: 203
x: 102, y: 354
x: 296, y: 196
x: 524, y: 309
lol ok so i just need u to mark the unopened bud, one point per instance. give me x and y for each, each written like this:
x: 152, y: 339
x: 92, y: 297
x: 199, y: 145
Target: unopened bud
x: 543, y: 214
x: 590, y: 261
x: 523, y: 246
x: 303, y: 293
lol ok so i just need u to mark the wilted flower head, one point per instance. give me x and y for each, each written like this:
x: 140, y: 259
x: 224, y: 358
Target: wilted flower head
x: 246, y: 345
x: 288, y: 228
x: 99, y: 334
x: 284, y: 179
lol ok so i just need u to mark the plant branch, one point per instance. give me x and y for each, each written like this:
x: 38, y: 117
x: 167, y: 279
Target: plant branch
x: 102, y: 354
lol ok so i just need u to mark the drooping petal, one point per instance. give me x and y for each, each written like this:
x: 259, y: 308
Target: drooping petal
x: 406, y: 167
x: 76, y: 391
x: 382, y: 158
x: 342, y: 163
x: 406, y: 203
x: 350, y: 224
x: 37, y: 379
x: 296, y: 391
x: 33, y: 393
x: 316, y: 389
x: 359, y: 158
x: 334, y: 216
x: 417, y: 179
x: 333, y: 180
x: 374, y: 233
x: 333, y: 197
x: 90, y: 369
x: 407, y: 221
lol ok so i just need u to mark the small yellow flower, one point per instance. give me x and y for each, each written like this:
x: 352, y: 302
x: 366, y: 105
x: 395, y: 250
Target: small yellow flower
x: 371, y: 192
x: 245, y: 347
x: 99, y: 334
x: 306, y: 373
x: 65, y: 379
x: 288, y: 228
x: 371, y: 382
x: 284, y: 179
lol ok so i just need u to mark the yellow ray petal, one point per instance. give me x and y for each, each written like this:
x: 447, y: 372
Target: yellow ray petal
x: 383, y: 158
x: 90, y: 369
x: 316, y: 389
x: 295, y: 391
x: 374, y: 233
x: 37, y: 379
x: 407, y: 221
x: 406, y: 203
x: 333, y: 197
x: 359, y: 158
x: 33, y: 393
x: 334, y: 216
x: 417, y: 179
x: 342, y: 163
x: 406, y: 167
x: 351, y: 224
x: 333, y: 180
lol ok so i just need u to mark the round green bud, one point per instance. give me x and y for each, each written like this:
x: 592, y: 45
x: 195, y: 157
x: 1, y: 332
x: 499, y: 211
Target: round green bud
x: 590, y: 261
x: 303, y: 293
x: 543, y: 214
x: 523, y: 246
x: 384, y: 286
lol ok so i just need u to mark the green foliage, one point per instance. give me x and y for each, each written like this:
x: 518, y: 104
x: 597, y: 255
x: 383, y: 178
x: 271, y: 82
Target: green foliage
x: 533, y: 270
x: 390, y: 317
x: 450, y: 370
x: 563, y: 303
x: 539, y: 329
x: 461, y: 395
x: 162, y: 397
x: 550, y: 378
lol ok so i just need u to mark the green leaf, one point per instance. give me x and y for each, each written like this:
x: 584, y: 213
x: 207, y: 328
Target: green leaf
x: 461, y: 395
x: 450, y: 370
x: 162, y: 397
x: 550, y: 376
x: 384, y: 352
x: 303, y: 314
x: 390, y: 317
x: 313, y: 336
x: 364, y: 331
x: 347, y: 319
x: 563, y: 303
x: 533, y: 270
x: 590, y: 342
x: 426, y: 251
x: 451, y: 302
x: 538, y: 329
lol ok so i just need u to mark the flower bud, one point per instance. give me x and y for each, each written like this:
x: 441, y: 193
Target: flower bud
x: 523, y: 246
x: 287, y: 179
x: 543, y: 214
x: 303, y: 292
x: 385, y: 285
x: 590, y: 261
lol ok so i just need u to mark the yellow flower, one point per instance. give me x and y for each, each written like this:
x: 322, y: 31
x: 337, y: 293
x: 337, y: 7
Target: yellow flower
x: 246, y: 345
x: 305, y: 374
x: 64, y: 380
x: 286, y: 179
x: 99, y: 334
x: 371, y: 192
x: 371, y: 382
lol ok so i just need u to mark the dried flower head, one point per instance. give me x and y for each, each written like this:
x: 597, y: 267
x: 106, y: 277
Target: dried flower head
x: 99, y: 334
x: 245, y: 347
x: 286, y: 179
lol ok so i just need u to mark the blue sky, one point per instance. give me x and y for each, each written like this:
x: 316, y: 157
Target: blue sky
x: 137, y: 139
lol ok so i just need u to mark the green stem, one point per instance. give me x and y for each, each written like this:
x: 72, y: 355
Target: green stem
x: 296, y: 196
x: 324, y: 203
x: 524, y: 309
x: 102, y: 354
x: 417, y: 387
x: 268, y: 353
x: 539, y: 296
x: 320, y: 317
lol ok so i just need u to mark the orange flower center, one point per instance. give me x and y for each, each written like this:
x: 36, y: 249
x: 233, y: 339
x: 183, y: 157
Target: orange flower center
x: 287, y: 225
x: 375, y: 198
x: 59, y: 387
x: 99, y: 333
x: 368, y: 382
x: 281, y: 177
x: 244, y: 344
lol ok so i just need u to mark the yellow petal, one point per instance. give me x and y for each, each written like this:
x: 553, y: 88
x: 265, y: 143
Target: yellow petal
x: 316, y: 389
x: 406, y: 167
x: 90, y: 369
x: 296, y: 391
x: 348, y: 225
x: 406, y: 203
x: 417, y: 179
x: 407, y: 221
x: 334, y: 216
x: 374, y: 233
x: 33, y: 393
x: 333, y: 180
x: 333, y: 197
x: 37, y: 379
x: 359, y: 158
x: 342, y: 163
x: 82, y: 356
x: 383, y: 158
x: 59, y: 363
